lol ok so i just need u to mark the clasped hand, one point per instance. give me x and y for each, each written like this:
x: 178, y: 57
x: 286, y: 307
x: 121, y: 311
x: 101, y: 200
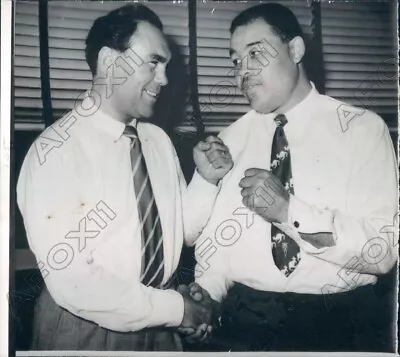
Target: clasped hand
x: 212, y: 158
x: 200, y: 313
x: 264, y: 194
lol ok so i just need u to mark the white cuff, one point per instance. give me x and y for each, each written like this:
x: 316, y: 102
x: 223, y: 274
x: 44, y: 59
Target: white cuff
x: 202, y: 184
x: 168, y: 308
x: 308, y: 219
x: 304, y: 218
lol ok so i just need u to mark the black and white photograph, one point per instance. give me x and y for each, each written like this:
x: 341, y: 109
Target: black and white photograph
x: 202, y: 176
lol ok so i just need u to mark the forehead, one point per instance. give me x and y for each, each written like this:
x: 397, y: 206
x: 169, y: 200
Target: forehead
x: 149, y: 40
x: 255, y: 31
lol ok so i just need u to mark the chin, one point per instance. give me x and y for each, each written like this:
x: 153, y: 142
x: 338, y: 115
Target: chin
x: 261, y: 108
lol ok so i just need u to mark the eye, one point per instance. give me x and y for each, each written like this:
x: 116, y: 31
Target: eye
x: 237, y: 63
x: 254, y: 53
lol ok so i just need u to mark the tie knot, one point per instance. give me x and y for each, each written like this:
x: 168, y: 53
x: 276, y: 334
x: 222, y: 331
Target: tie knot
x: 130, y: 132
x: 280, y: 120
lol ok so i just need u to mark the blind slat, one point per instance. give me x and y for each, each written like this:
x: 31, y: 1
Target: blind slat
x: 359, y: 55
x: 217, y: 89
x: 27, y: 93
x: 69, y: 24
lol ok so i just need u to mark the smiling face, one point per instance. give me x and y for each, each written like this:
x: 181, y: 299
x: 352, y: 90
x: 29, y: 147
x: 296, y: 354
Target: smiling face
x: 148, y: 56
x: 266, y: 68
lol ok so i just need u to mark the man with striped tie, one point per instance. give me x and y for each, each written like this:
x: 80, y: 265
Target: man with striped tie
x: 305, y: 223
x: 106, y: 207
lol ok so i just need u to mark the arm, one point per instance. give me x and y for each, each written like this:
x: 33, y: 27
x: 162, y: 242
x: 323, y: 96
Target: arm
x: 213, y: 161
x: 47, y: 196
x: 367, y: 231
x: 198, y: 202
x: 332, y: 235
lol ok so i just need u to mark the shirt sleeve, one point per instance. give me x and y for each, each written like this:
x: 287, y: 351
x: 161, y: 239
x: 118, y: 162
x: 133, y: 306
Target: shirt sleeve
x: 86, y: 288
x: 198, y: 201
x: 367, y: 230
x: 212, y: 268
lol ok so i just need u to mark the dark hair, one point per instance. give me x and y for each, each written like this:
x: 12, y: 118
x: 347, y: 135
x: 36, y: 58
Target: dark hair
x: 116, y: 29
x: 283, y: 22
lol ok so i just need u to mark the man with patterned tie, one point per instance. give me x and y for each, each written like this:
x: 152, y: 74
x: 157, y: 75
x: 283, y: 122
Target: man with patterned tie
x: 108, y: 210
x: 304, y: 222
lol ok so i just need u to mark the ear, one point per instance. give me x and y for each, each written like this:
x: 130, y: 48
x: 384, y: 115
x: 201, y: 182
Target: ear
x: 105, y: 58
x: 297, y: 49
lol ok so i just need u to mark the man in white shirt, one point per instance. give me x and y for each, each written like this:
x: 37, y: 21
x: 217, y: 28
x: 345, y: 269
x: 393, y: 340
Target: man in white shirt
x: 106, y: 207
x: 305, y: 221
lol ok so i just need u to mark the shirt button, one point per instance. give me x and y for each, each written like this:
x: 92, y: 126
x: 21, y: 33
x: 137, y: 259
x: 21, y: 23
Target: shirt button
x: 296, y: 224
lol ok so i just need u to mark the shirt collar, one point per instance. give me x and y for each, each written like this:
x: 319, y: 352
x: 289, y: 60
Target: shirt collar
x: 106, y: 122
x: 299, y: 113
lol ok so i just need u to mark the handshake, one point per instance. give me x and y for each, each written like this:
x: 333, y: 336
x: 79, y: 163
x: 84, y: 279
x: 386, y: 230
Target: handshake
x: 200, y: 315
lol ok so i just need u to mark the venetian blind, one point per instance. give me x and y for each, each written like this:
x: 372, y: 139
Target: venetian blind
x: 221, y: 102
x: 69, y: 23
x: 27, y: 93
x: 360, y: 60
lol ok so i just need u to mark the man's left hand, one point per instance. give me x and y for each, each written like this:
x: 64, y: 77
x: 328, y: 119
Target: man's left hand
x: 264, y: 194
x: 202, y: 332
x: 213, y: 159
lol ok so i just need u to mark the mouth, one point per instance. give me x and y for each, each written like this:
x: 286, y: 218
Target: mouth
x: 248, y: 90
x: 249, y: 86
x: 151, y: 94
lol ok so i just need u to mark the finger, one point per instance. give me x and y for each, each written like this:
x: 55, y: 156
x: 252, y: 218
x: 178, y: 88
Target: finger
x: 246, y: 192
x: 186, y: 330
x: 252, y: 171
x: 246, y: 182
x: 182, y: 289
x: 246, y: 201
x: 197, y: 296
x: 218, y: 146
x: 199, y: 333
x: 220, y: 163
x: 194, y: 286
x: 203, y: 146
x: 212, y: 155
x: 213, y: 139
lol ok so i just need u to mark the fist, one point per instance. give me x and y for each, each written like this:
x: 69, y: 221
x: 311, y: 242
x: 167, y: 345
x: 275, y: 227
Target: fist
x: 213, y: 159
x: 264, y: 194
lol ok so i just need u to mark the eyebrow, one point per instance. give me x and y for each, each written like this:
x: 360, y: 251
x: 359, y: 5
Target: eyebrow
x: 232, y: 51
x: 158, y: 58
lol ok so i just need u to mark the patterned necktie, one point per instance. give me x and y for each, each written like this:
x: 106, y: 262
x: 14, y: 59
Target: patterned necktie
x: 285, y: 250
x: 152, y: 236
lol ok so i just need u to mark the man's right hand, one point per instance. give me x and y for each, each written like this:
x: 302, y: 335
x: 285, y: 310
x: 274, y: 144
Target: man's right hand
x: 196, y: 313
x: 197, y: 295
x: 213, y: 159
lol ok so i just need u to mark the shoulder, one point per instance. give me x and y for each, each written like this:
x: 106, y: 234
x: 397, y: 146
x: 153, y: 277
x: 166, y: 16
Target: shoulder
x: 240, y: 126
x: 152, y: 132
x: 53, y: 146
x: 351, y: 119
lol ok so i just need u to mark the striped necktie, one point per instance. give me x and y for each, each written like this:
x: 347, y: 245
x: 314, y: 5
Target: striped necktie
x: 152, y: 236
x: 285, y: 250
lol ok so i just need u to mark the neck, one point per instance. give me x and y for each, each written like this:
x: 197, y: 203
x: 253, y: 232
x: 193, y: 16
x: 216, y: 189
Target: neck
x: 107, y: 106
x: 300, y: 91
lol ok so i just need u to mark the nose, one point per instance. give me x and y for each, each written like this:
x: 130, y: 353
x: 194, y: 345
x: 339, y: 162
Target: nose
x: 243, y: 72
x: 161, y: 76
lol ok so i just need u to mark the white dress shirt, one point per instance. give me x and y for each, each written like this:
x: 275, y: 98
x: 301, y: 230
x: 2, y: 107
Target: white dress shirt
x: 77, y: 176
x: 345, y: 182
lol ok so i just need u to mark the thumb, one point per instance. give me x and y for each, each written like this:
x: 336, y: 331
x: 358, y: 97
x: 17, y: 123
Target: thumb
x: 183, y: 289
x: 203, y: 146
